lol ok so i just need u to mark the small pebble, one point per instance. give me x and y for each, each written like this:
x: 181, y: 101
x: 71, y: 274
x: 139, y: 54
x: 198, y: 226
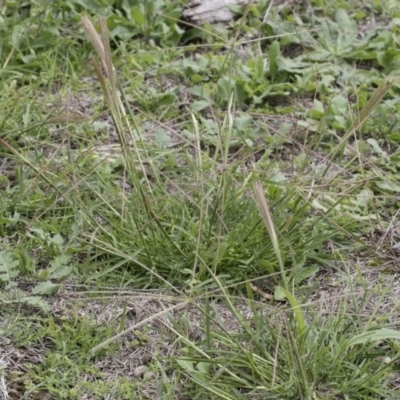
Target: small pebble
x: 148, y: 375
x: 140, y: 371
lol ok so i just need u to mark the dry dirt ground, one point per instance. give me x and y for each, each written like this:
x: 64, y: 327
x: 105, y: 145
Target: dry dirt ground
x: 147, y: 333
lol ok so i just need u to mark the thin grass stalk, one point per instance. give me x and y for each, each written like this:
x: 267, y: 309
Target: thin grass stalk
x: 189, y: 343
x: 207, y: 322
x: 116, y: 91
x: 198, y: 262
x: 116, y: 108
x: 266, y: 216
x: 112, y: 95
x: 110, y: 70
x: 107, y: 80
x: 303, y: 384
x: 145, y: 321
x: 135, y: 135
x: 227, y: 130
x: 94, y: 39
x: 236, y: 313
x: 29, y: 164
x: 365, y: 112
x: 50, y: 182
